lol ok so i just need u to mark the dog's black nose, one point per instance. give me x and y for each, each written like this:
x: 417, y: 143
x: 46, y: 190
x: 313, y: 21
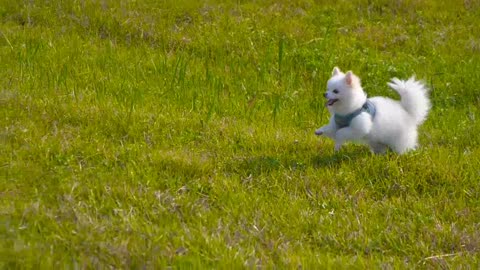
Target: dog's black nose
x: 325, y: 95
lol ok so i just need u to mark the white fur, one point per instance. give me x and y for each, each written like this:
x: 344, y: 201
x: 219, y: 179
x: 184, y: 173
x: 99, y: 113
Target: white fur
x: 395, y: 123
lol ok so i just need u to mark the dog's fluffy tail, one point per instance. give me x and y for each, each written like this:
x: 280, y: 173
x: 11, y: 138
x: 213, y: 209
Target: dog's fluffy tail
x: 414, y: 97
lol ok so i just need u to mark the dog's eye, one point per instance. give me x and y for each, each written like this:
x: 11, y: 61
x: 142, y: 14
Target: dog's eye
x: 335, y: 91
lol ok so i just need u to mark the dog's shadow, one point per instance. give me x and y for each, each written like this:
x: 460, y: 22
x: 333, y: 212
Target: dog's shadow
x: 269, y: 163
x: 336, y: 159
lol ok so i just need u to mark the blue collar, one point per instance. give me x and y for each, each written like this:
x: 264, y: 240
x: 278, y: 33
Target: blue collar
x: 345, y: 120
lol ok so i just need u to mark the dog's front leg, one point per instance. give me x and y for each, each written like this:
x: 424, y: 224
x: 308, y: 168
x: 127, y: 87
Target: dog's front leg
x: 358, y: 129
x: 328, y: 130
x: 341, y: 136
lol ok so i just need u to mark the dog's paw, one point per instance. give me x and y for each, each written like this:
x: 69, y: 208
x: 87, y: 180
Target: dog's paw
x: 320, y: 131
x: 338, y: 146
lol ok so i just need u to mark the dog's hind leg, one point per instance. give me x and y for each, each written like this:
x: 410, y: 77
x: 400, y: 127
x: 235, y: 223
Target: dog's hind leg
x: 406, y: 143
x: 378, y: 148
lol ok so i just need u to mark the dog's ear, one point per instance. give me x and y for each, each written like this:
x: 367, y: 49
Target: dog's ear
x: 336, y: 71
x: 350, y: 78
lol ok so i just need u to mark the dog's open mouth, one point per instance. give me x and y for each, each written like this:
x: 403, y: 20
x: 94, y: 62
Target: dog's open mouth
x: 332, y: 101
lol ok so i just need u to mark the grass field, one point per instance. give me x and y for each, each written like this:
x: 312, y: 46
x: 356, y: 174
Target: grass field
x: 147, y: 134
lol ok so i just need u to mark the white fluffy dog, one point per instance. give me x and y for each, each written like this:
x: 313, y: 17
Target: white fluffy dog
x: 380, y: 122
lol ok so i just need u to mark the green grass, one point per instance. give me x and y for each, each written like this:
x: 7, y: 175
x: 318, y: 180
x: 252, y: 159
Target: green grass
x: 147, y: 134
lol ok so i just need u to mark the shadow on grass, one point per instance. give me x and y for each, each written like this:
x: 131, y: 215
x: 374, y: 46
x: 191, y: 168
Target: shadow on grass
x: 336, y: 159
x: 268, y: 163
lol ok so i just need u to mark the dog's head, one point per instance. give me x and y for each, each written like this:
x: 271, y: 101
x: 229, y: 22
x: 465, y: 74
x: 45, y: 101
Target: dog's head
x: 343, y: 91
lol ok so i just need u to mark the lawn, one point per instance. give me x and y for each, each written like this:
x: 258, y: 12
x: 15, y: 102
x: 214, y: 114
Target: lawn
x: 180, y: 133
